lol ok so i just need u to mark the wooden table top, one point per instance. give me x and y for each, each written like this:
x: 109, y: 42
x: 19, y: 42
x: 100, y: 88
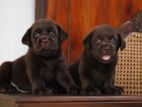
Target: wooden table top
x: 33, y: 98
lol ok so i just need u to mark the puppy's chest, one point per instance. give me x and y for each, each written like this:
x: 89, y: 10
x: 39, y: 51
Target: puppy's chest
x: 48, y: 71
x: 99, y: 76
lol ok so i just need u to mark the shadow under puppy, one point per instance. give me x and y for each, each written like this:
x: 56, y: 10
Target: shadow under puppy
x: 94, y: 71
x: 42, y: 70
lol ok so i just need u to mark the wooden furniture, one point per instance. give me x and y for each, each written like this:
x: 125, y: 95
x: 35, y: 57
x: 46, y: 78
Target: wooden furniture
x: 129, y: 67
x: 70, y: 101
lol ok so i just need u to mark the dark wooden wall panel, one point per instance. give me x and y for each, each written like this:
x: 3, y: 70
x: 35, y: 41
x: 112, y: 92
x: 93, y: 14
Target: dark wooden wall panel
x: 111, y: 12
x: 78, y: 25
x: 58, y: 11
x: 137, y: 6
x: 95, y: 13
x: 125, y: 9
x: 129, y: 8
x: 103, y: 11
x: 40, y: 9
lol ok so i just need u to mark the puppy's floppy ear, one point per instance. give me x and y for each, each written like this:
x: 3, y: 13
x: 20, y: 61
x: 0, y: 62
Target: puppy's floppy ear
x: 126, y: 28
x: 62, y: 34
x: 121, y: 43
x: 87, y: 40
x: 27, y: 37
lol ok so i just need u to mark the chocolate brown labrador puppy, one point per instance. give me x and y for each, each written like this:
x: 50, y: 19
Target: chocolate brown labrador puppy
x: 94, y: 71
x: 42, y: 70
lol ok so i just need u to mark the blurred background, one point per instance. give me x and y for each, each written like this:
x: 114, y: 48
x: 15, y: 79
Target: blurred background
x: 16, y: 16
x: 77, y: 17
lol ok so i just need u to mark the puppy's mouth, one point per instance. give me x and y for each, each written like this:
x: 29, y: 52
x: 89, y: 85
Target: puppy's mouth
x: 49, y: 47
x: 47, y: 52
x: 107, y: 54
x: 106, y: 57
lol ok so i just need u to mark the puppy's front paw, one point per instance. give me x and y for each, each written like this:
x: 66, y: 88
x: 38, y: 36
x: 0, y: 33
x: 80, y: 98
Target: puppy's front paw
x: 120, y: 88
x: 110, y: 90
x: 39, y: 88
x: 42, y: 91
x: 74, y: 90
x: 90, y: 90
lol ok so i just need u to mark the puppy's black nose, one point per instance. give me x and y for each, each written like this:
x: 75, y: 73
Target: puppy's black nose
x: 45, y: 41
x: 106, y: 48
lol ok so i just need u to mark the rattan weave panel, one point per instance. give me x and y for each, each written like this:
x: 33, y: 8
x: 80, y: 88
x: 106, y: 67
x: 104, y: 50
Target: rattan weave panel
x: 129, y: 67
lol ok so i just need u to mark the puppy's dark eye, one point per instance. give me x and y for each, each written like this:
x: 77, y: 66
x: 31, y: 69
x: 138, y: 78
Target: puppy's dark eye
x: 113, y: 40
x: 37, y: 33
x: 99, y: 39
x: 50, y: 31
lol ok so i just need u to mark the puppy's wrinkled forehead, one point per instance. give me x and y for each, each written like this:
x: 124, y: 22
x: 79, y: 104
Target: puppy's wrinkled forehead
x: 105, y: 31
x: 44, y: 25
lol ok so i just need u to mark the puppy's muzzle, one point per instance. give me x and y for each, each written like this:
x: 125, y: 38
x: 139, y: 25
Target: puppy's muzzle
x: 44, y: 42
x: 106, y: 49
x: 48, y: 43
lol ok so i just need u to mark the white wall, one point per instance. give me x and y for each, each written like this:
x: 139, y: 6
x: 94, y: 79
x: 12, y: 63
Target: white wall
x: 16, y: 16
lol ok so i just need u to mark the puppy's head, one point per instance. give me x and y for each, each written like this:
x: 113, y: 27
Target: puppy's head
x: 45, y: 37
x: 103, y: 43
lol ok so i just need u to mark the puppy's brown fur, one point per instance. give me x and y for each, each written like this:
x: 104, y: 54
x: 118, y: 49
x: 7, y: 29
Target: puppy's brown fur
x: 42, y: 70
x: 132, y: 25
x: 94, y: 71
